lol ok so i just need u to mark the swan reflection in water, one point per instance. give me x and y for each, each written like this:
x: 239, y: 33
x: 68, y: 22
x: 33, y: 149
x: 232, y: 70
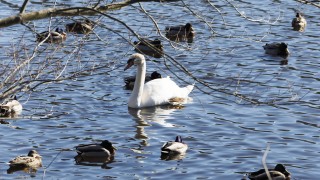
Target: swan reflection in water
x: 158, y: 115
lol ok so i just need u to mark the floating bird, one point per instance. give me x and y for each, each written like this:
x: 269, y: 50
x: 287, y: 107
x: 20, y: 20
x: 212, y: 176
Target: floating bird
x: 56, y: 36
x: 299, y: 23
x: 155, y: 92
x: 10, y: 107
x: 174, y: 147
x: 130, y: 80
x: 92, y: 152
x: 152, y: 48
x: 278, y: 173
x: 180, y: 33
x: 277, y: 49
x: 33, y: 160
x: 80, y: 27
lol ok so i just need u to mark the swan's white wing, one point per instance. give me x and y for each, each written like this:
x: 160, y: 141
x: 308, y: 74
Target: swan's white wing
x: 159, y: 91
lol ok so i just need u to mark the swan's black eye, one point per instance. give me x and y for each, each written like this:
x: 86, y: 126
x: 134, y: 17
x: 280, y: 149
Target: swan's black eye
x: 130, y: 61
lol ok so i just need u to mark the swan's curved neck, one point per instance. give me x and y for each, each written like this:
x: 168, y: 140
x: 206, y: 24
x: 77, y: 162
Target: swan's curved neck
x: 136, y: 96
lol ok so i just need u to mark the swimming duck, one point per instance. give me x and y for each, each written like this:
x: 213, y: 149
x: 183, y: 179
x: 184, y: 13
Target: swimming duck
x: 33, y: 160
x: 180, y: 33
x: 176, y: 147
x: 130, y: 80
x: 10, y: 107
x: 56, y: 36
x: 277, y: 49
x: 103, y: 150
x: 155, y: 92
x: 278, y: 173
x: 299, y: 23
x: 79, y: 27
x: 152, y: 48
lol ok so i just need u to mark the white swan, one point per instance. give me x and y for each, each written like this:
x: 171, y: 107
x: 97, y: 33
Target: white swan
x: 156, y: 92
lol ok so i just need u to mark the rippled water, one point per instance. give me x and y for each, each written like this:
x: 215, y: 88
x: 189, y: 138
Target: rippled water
x: 227, y: 136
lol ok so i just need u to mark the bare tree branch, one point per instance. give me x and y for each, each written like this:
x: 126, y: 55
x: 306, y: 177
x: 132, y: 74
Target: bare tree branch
x: 74, y: 11
x: 24, y: 5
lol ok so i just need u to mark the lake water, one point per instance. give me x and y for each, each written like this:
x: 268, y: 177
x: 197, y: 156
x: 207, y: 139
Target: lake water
x: 227, y: 135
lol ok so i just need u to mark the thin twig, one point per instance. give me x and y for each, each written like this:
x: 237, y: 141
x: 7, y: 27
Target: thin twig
x: 264, y: 163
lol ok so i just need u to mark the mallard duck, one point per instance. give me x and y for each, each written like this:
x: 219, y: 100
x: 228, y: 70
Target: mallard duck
x: 33, y: 160
x: 180, y: 33
x: 176, y: 147
x: 299, y: 23
x: 79, y: 27
x: 56, y: 36
x: 277, y: 49
x: 10, y: 107
x: 103, y: 150
x: 278, y: 173
x: 152, y: 48
x: 130, y: 80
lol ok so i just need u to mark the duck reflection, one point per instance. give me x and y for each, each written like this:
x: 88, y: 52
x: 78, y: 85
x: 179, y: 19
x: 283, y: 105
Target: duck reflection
x: 28, y: 170
x: 94, y: 161
x: 168, y: 157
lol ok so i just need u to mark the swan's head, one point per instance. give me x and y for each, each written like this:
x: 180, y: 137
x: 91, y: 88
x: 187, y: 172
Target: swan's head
x: 135, y: 59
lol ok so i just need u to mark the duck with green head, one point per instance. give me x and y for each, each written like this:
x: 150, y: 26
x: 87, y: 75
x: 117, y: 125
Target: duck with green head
x: 80, y: 27
x: 131, y: 80
x: 278, y: 173
x: 91, y: 152
x: 56, y: 36
x: 174, y: 147
x: 180, y: 32
x: 149, y: 47
x: 276, y: 49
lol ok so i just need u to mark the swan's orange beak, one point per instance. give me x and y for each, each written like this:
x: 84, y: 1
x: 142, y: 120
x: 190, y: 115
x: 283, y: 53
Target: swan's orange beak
x: 129, y: 64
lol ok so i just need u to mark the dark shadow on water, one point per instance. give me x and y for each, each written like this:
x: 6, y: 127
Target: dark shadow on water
x: 93, y: 161
x: 172, y: 156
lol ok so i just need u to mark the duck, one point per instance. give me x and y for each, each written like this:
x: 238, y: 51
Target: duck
x: 299, y: 23
x: 90, y: 152
x: 155, y: 92
x: 80, y: 27
x: 278, y: 173
x: 32, y: 160
x: 174, y: 147
x: 56, y: 36
x: 180, y: 32
x: 276, y: 49
x: 10, y: 107
x: 130, y: 80
x: 148, y: 47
